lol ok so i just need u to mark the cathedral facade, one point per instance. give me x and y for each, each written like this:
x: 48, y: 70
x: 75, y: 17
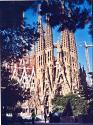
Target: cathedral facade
x: 46, y: 75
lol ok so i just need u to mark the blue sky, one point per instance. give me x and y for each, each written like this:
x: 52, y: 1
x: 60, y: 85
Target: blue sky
x: 81, y: 35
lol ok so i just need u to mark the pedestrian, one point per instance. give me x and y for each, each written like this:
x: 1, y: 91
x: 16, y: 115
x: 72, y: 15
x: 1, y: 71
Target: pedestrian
x: 45, y: 116
x: 33, y: 117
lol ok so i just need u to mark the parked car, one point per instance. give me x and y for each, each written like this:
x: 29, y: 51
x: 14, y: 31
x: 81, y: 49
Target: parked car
x: 55, y: 117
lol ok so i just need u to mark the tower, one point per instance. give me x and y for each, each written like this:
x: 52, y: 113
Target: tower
x: 49, y: 50
x: 70, y: 59
x: 44, y: 59
x: 40, y: 59
x: 49, y: 54
x: 74, y: 62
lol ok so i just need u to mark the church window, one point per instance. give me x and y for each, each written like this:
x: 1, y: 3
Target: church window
x: 48, y: 59
x: 41, y: 45
x: 23, y: 110
x: 45, y: 58
x: 39, y: 48
x: 33, y: 80
x: 48, y: 54
x: 59, y: 54
x: 30, y: 84
x: 41, y: 59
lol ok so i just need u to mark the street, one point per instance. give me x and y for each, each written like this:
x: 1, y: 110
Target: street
x: 29, y: 123
x: 60, y: 124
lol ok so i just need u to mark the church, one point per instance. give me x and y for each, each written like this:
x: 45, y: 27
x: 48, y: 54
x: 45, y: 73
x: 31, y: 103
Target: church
x: 44, y: 74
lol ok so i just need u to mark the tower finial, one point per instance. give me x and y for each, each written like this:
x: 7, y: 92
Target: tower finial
x: 39, y: 16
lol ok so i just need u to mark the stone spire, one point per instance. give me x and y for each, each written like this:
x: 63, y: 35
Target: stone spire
x: 74, y: 61
x: 40, y: 55
x: 40, y: 45
x: 49, y: 36
x: 48, y: 42
x: 70, y: 59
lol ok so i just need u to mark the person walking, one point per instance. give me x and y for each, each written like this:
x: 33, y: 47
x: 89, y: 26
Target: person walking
x: 45, y: 116
x: 33, y: 117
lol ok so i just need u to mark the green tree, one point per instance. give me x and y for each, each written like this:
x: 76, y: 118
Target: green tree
x: 79, y: 105
x: 76, y: 13
x: 84, y: 88
x: 16, y: 42
x: 90, y: 108
x: 70, y: 14
x: 11, y: 92
x: 11, y: 12
x: 86, y: 91
x: 68, y: 111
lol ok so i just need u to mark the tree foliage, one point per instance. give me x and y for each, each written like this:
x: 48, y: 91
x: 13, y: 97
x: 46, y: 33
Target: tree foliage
x: 11, y: 12
x: 16, y: 42
x: 90, y: 108
x: 70, y: 14
x: 84, y: 88
x: 76, y: 13
x: 79, y: 105
x: 11, y: 92
x: 68, y: 109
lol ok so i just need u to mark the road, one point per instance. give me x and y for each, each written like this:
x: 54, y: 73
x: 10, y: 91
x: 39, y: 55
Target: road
x: 29, y: 123
x: 60, y: 124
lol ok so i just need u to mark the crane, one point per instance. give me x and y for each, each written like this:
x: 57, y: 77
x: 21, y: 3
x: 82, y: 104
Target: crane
x: 87, y: 46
